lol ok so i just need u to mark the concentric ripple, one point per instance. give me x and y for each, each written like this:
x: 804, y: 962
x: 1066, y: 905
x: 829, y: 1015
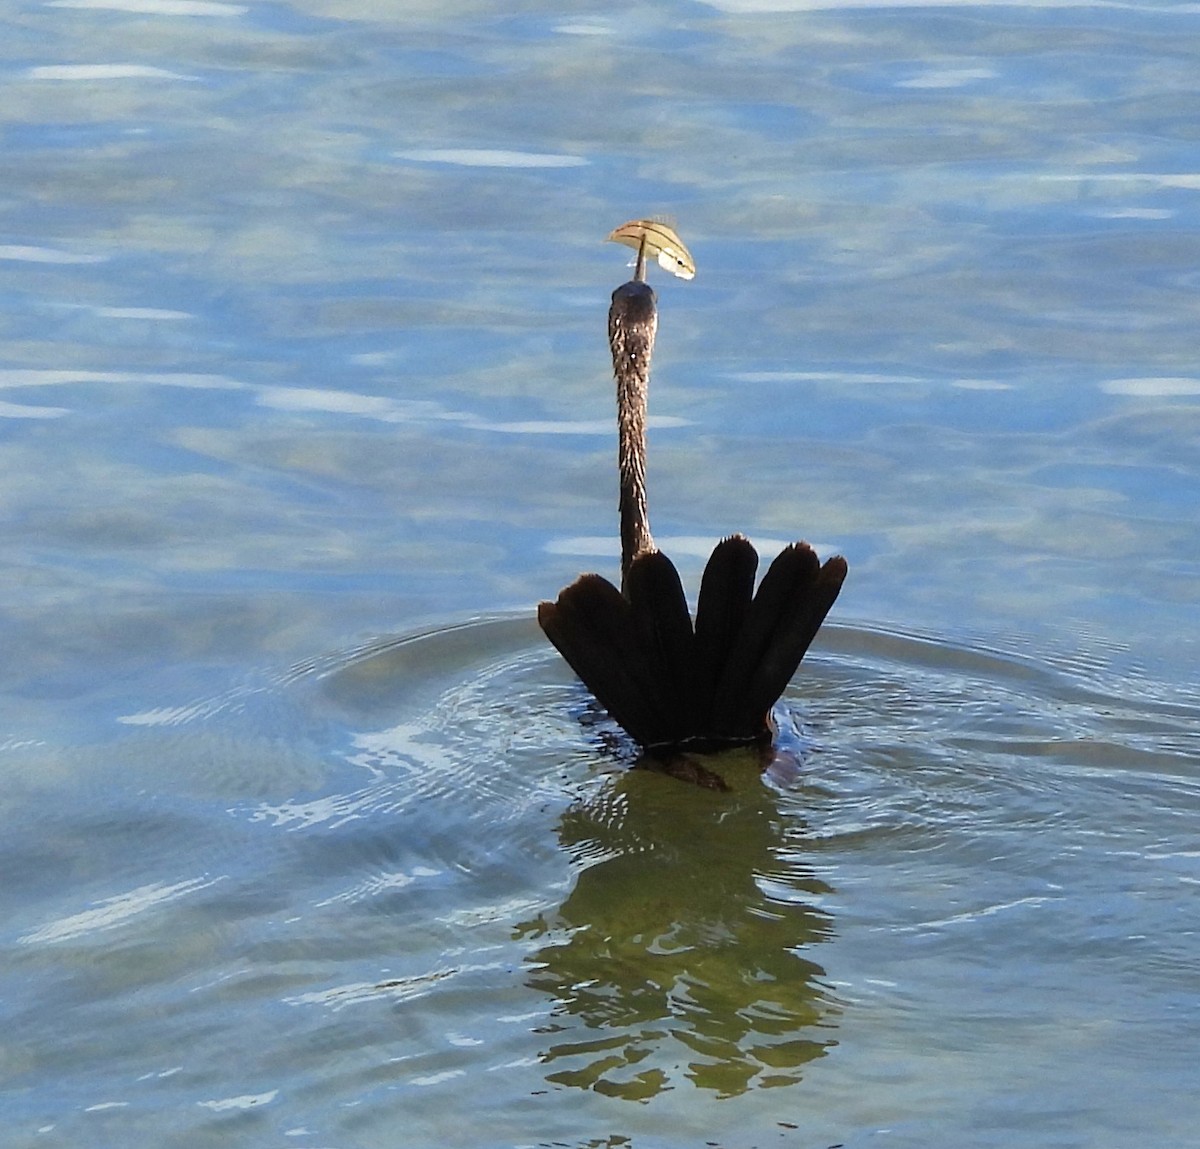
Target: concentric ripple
x: 980, y: 782
x: 430, y: 862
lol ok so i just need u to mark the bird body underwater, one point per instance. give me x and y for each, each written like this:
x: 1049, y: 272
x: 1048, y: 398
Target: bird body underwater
x: 672, y: 684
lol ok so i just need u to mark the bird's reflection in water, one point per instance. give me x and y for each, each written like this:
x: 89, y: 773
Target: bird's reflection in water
x: 682, y: 953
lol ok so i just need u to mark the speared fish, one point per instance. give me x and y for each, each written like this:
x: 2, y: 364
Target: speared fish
x: 655, y: 238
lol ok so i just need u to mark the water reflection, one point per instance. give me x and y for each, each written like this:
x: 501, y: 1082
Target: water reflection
x: 682, y: 951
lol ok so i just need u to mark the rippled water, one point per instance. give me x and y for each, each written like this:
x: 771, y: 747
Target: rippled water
x: 311, y: 839
x: 419, y: 884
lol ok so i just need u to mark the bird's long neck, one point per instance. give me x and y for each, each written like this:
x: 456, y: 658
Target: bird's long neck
x: 632, y: 323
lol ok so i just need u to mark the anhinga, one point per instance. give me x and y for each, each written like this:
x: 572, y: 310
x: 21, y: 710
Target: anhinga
x: 671, y: 685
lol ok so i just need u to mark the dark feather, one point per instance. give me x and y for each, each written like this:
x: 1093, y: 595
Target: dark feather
x: 726, y: 591
x: 664, y: 628
x: 592, y: 626
x: 670, y: 687
x: 792, y: 601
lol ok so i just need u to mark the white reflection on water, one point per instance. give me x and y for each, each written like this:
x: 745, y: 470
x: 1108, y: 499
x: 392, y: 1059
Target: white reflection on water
x: 1151, y: 387
x: 948, y: 78
x: 1186, y: 180
x: 25, y: 411
x: 245, y: 1101
x: 154, y: 314
x: 780, y: 6
x: 489, y: 158
x: 47, y: 377
x: 114, y: 911
x: 92, y: 72
x: 156, y: 7
x: 25, y: 253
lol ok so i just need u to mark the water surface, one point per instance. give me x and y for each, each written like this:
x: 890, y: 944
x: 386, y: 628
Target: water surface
x: 304, y: 403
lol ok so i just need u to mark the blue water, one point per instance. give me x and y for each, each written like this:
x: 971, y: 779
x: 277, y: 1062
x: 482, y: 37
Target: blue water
x: 311, y: 839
